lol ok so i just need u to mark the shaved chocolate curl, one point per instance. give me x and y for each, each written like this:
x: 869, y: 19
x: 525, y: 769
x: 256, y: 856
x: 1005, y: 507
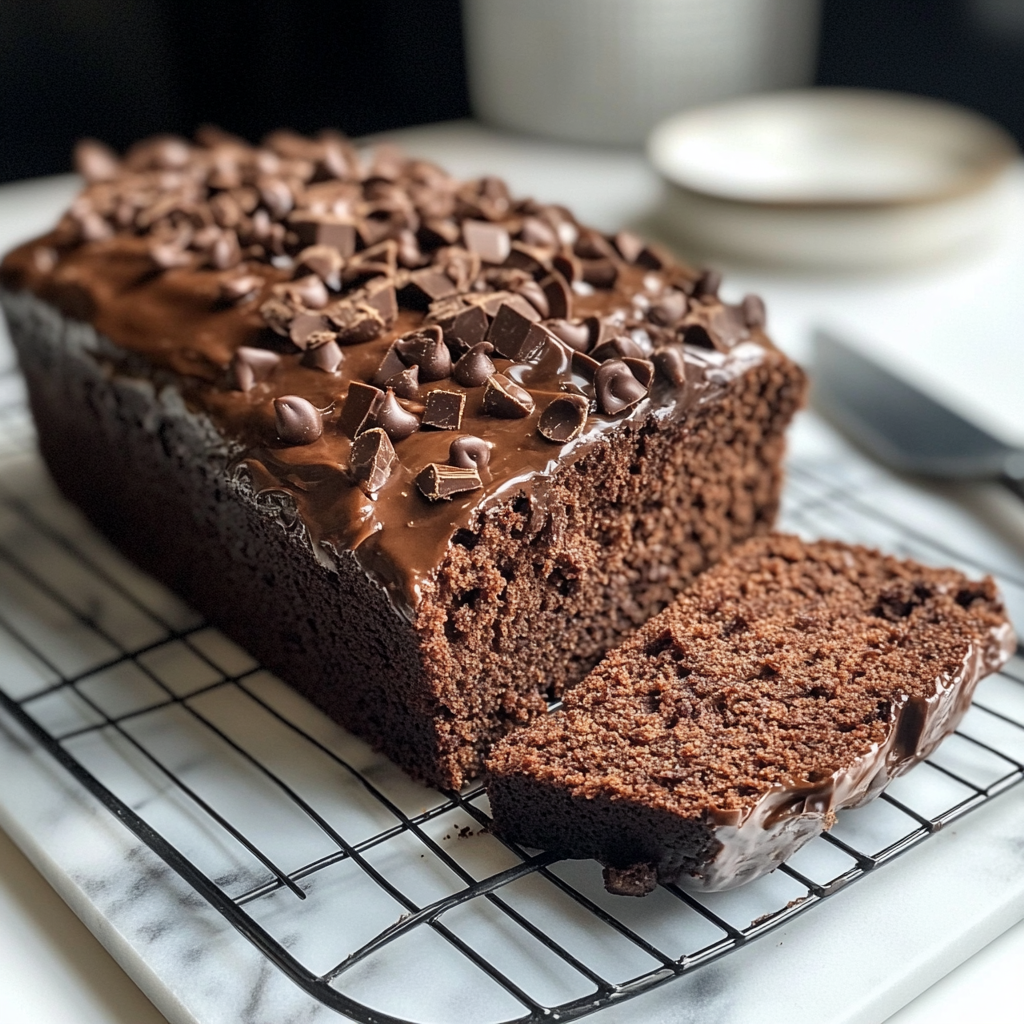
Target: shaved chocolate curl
x: 506, y: 399
x: 564, y: 418
x: 669, y: 362
x: 440, y: 482
x: 470, y: 452
x: 372, y: 459
x: 617, y: 388
x: 473, y: 368
x: 250, y: 366
x: 298, y: 421
x: 575, y: 335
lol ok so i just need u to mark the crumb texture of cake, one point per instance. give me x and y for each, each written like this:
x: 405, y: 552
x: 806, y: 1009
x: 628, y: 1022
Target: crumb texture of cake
x: 426, y: 449
x: 790, y: 681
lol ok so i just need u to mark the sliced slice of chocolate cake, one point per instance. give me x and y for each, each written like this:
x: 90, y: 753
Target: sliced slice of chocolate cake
x: 792, y: 680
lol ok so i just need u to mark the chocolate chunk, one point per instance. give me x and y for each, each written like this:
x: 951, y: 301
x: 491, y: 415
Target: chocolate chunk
x: 167, y: 255
x: 439, y: 482
x: 653, y: 258
x: 668, y: 310
x: 426, y: 350
x: 409, y: 254
x: 324, y: 261
x: 513, y: 335
x: 559, y: 295
x: 707, y: 284
x: 276, y: 196
x: 536, y: 232
x: 534, y: 294
x: 728, y: 326
x: 392, y: 418
x: 617, y: 388
x: 564, y: 418
x: 467, y: 328
x: 617, y: 347
x: 439, y: 231
x: 324, y: 229
x: 635, y: 880
x: 303, y: 328
x: 575, y: 335
x: 361, y: 402
x: 356, y: 322
x: 592, y: 245
x: 240, y: 289
x: 95, y: 162
x: 226, y: 252
x: 298, y: 421
x: 506, y: 399
x: 473, y: 368
x: 490, y: 242
x: 277, y: 314
x: 642, y: 369
x: 406, y: 384
x: 391, y: 365
x: 600, y: 273
x: 670, y: 363
x: 570, y: 268
x: 754, y: 315
x: 372, y: 459
x: 429, y: 285
x: 326, y: 357
x: 382, y: 298
x: 444, y: 410
x: 249, y: 366
x: 470, y: 452
x: 584, y: 366
x: 629, y: 246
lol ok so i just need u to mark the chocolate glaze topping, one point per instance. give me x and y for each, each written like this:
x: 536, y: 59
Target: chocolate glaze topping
x: 266, y: 282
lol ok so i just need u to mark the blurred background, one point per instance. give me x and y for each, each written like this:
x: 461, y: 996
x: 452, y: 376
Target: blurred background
x: 119, y: 69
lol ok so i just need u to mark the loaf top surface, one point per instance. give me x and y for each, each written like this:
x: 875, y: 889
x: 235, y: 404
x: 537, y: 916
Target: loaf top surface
x: 774, y: 674
x: 391, y: 347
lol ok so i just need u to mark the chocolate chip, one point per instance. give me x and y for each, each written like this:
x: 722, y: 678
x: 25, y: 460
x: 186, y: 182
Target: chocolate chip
x: 166, y: 255
x: 426, y: 350
x: 515, y: 336
x: 575, y: 335
x: 390, y: 366
x: 559, y: 295
x: 249, y: 366
x: 470, y: 452
x: 444, y: 410
x: 670, y: 363
x: 326, y: 357
x: 361, y: 402
x: 95, y: 161
x: 668, y: 310
x: 240, y: 289
x: 707, y: 284
x: 534, y: 294
x: 629, y: 246
x: 506, y: 399
x: 617, y: 347
x: 564, y: 418
x: 473, y: 368
x: 298, y: 421
x: 323, y: 261
x: 754, y: 315
x: 490, y: 242
x: 304, y: 326
x: 642, y: 369
x: 391, y: 417
x: 467, y: 328
x: 617, y: 388
x: 310, y: 291
x: 372, y: 459
x: 535, y: 232
x: 407, y: 383
x: 439, y: 482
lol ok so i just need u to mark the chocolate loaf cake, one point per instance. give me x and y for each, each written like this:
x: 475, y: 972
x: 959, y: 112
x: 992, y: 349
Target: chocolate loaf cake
x: 425, y: 449
x: 790, y: 681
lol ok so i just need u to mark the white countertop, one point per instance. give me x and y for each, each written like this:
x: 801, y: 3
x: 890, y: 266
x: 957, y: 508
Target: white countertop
x: 53, y: 970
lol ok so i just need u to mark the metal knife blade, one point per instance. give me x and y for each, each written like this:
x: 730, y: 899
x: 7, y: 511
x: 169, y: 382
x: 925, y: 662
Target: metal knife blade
x: 901, y: 426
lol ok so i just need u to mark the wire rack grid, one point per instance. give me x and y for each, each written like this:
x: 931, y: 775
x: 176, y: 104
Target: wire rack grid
x: 335, y: 865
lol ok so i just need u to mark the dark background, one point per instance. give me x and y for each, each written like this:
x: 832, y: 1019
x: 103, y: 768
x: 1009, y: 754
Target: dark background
x: 120, y: 69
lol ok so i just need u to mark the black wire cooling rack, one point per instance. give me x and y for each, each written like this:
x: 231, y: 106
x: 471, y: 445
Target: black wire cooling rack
x: 327, y: 859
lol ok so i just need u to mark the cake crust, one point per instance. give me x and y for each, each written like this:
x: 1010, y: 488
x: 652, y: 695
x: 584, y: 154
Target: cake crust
x: 792, y: 680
